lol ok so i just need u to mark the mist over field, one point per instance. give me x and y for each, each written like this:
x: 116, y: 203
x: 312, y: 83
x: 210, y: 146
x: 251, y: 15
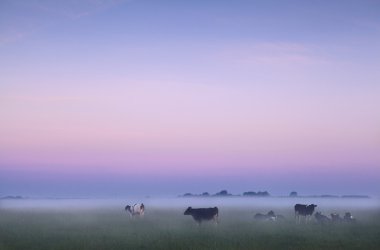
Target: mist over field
x: 104, y: 224
x: 183, y: 202
x: 179, y: 204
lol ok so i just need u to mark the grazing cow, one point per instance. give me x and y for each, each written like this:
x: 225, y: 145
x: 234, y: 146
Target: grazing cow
x: 348, y: 217
x: 322, y: 219
x: 336, y: 218
x: 304, y: 210
x: 270, y: 216
x: 200, y: 214
x: 136, y: 209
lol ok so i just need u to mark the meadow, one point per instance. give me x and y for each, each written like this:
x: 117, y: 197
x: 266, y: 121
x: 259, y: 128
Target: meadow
x: 107, y: 226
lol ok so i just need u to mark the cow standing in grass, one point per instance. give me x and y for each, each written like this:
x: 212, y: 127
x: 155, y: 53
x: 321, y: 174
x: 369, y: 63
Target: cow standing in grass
x: 200, y: 214
x: 136, y: 209
x: 303, y: 210
x: 322, y: 219
x: 349, y: 218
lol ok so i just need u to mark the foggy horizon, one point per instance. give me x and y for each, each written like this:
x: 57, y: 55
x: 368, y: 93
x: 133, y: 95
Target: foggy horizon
x: 110, y: 185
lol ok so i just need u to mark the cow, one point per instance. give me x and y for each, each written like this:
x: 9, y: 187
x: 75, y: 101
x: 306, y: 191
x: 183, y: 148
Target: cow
x: 303, y: 210
x: 322, y: 219
x: 136, y: 209
x: 200, y: 214
x: 348, y: 217
x: 270, y: 216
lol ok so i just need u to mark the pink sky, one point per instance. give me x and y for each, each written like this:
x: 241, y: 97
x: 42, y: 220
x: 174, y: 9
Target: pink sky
x: 117, y: 89
x: 179, y: 126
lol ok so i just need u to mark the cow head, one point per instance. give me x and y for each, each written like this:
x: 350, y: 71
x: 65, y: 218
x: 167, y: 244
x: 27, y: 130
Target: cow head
x: 188, y: 211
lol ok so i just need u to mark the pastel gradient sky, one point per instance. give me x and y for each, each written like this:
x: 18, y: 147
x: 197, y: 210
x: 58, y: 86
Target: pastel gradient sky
x: 112, y: 98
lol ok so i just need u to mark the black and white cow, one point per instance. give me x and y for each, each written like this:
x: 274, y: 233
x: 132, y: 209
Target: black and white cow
x: 348, y: 217
x: 200, y: 214
x: 304, y: 210
x: 136, y: 209
x: 270, y: 216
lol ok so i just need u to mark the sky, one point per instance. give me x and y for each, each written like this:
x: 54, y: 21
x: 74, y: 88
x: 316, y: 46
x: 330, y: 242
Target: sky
x: 106, y: 98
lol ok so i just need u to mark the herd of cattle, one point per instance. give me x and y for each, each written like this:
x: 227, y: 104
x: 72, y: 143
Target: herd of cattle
x: 308, y: 210
x: 207, y: 214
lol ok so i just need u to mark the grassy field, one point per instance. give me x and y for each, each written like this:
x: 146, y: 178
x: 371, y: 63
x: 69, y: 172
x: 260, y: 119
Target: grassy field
x: 165, y: 228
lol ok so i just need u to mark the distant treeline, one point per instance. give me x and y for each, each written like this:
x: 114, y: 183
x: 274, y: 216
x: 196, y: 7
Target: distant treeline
x: 225, y: 193
x: 12, y: 197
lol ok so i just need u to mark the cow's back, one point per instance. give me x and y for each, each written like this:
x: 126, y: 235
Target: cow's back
x: 205, y: 213
x: 299, y: 208
x: 138, y: 208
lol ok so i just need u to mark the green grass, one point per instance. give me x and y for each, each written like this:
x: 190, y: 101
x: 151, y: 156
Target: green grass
x: 170, y: 229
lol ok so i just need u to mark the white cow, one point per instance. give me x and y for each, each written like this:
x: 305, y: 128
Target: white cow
x: 136, y: 209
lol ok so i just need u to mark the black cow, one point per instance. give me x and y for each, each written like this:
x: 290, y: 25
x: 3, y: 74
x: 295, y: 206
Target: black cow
x: 304, y: 210
x: 200, y: 214
x: 322, y: 219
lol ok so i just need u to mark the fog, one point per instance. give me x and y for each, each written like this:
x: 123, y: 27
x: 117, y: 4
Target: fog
x: 182, y: 203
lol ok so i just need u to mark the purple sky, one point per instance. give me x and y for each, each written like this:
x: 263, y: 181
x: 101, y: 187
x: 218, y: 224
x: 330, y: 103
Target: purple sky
x: 111, y: 98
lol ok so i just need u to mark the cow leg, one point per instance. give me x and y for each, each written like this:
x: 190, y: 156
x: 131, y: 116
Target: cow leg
x: 297, y: 217
x: 216, y: 219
